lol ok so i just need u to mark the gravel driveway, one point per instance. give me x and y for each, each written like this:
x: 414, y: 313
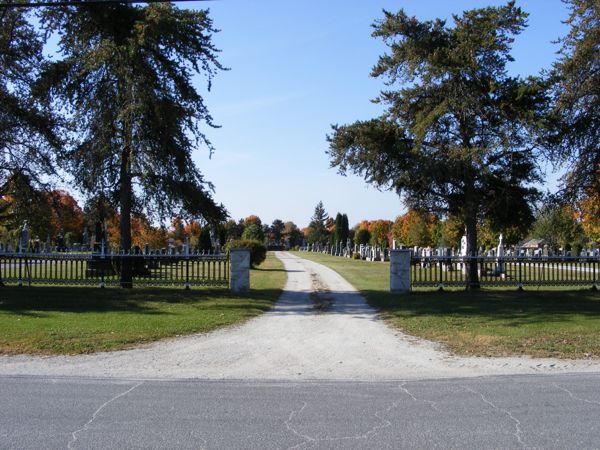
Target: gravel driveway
x: 321, y: 328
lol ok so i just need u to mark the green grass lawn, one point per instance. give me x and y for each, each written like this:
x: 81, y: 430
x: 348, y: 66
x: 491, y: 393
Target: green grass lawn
x: 69, y: 320
x: 556, y: 323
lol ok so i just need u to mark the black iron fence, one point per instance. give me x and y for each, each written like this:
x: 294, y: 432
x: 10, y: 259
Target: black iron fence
x: 105, y: 269
x: 512, y: 271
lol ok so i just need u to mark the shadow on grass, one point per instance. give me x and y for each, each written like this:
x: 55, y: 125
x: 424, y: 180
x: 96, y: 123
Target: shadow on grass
x: 517, y: 308
x: 34, y: 301
x: 274, y: 270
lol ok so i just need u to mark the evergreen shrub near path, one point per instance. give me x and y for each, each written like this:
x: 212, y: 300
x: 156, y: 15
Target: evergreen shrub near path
x: 71, y: 320
x: 258, y: 250
x: 550, y: 323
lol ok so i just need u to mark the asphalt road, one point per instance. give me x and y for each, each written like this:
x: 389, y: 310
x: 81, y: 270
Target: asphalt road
x: 525, y: 411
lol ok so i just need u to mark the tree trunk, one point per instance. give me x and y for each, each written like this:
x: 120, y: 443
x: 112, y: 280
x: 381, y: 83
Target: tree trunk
x: 471, y: 225
x: 125, y: 226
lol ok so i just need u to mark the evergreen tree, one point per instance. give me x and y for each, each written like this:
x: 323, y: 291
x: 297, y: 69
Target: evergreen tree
x: 363, y: 236
x: 125, y: 78
x: 345, y: 234
x: 317, y: 230
x: 576, y: 76
x: 28, y: 137
x: 338, y: 229
x: 457, y: 135
x: 276, y: 229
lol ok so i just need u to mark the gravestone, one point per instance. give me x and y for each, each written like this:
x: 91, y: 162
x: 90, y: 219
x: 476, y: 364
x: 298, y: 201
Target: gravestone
x: 546, y: 251
x: 24, y: 238
x: 463, y: 246
x: 500, y: 254
x: 463, y: 253
x: 86, y: 237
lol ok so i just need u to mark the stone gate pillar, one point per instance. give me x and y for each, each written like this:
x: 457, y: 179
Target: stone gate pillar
x: 400, y: 270
x: 239, y: 275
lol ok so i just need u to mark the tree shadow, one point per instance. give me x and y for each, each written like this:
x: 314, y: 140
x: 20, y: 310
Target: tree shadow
x: 274, y: 270
x: 513, y: 307
x: 38, y: 301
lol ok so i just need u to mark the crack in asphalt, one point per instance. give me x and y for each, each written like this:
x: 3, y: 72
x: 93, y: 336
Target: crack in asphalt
x: 310, y: 440
x: 573, y: 396
x: 289, y: 427
x: 517, y: 422
x: 95, y: 414
x: 429, y: 402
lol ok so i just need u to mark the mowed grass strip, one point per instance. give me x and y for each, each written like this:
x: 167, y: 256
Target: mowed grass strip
x: 72, y: 320
x: 554, y: 323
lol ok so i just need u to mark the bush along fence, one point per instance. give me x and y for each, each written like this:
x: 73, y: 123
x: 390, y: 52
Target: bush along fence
x: 104, y: 269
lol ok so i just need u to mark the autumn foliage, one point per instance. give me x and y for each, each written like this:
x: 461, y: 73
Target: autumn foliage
x: 415, y: 228
x: 590, y: 216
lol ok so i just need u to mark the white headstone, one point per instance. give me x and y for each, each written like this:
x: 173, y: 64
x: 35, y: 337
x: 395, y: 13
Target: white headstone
x: 463, y: 246
x: 500, y: 249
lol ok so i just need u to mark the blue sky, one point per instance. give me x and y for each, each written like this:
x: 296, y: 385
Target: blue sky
x: 298, y: 67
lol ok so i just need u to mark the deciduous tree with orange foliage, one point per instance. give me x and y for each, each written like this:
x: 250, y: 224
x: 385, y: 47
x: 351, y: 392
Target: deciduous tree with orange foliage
x: 66, y: 213
x: 252, y: 219
x: 590, y: 216
x: 145, y: 233
x: 380, y: 232
x: 46, y: 212
x: 416, y: 228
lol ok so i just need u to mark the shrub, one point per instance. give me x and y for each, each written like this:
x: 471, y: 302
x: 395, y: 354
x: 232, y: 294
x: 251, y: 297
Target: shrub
x: 258, y: 251
x: 355, y: 255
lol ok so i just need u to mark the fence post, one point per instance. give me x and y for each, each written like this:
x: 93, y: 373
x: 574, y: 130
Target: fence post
x: 102, y: 265
x: 400, y: 270
x: 20, y: 282
x: 520, y: 262
x: 239, y: 260
x: 187, y: 264
x: 594, y: 270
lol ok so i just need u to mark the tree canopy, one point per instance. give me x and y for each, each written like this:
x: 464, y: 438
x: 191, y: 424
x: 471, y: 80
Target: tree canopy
x: 456, y: 137
x: 28, y: 138
x: 559, y: 226
x: 125, y: 81
x: 576, y: 77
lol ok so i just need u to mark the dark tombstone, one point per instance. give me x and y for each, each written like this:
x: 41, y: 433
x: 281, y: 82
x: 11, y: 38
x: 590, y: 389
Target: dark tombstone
x: 86, y: 237
x: 60, y: 242
x: 99, y: 236
x: 24, y: 238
